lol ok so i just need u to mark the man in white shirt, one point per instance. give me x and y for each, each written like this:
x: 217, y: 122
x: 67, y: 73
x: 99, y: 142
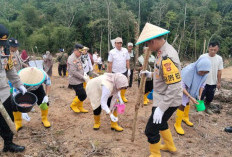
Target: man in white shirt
x: 214, y: 77
x: 95, y: 66
x: 119, y: 62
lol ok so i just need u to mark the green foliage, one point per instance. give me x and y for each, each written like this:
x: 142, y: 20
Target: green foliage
x: 54, y: 24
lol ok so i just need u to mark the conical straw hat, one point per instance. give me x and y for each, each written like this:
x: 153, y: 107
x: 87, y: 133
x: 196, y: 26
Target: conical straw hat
x: 31, y: 76
x: 149, y: 32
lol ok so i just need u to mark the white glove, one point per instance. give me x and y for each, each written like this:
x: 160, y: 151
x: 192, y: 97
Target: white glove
x: 26, y: 117
x: 157, y: 116
x: 86, y: 77
x: 22, y: 89
x: 146, y: 72
x: 45, y: 99
x: 113, y: 118
x: 128, y: 73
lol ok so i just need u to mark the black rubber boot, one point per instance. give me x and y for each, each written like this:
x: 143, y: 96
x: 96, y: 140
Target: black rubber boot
x: 11, y: 147
x: 228, y: 129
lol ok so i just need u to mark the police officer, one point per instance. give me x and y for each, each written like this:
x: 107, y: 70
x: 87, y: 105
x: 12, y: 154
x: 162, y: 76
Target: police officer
x: 17, y: 60
x: 76, y: 79
x: 167, y: 90
x: 62, y: 59
x: 7, y: 71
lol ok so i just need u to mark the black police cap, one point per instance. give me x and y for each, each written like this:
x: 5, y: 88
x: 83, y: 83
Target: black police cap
x: 13, y: 42
x: 78, y: 46
x: 3, y: 35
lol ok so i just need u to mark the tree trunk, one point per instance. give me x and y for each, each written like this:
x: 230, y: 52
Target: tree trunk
x: 195, y: 41
x: 101, y: 43
x: 136, y: 38
x: 204, y: 46
x: 109, y: 31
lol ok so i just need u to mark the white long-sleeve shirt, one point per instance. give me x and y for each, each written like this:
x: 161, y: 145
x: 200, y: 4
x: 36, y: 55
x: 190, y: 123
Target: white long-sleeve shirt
x: 105, y: 96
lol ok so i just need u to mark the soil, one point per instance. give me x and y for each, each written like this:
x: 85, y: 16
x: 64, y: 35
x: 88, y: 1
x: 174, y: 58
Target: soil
x: 72, y: 134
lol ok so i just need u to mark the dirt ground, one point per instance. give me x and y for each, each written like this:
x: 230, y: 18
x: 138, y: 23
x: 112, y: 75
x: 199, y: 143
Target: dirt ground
x: 72, y: 135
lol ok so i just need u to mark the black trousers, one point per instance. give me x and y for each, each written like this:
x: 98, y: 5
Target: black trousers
x: 40, y: 93
x: 80, y: 91
x: 5, y: 131
x: 152, y: 130
x: 62, y: 68
x: 131, y: 78
x: 148, y: 85
x: 99, y: 66
x: 97, y: 111
x: 208, y: 92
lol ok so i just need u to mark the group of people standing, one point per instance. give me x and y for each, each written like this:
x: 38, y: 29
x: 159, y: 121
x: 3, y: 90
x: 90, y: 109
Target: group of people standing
x: 173, y: 88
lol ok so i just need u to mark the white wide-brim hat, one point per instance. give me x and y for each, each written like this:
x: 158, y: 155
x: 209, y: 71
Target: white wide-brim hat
x: 86, y: 48
x: 149, y: 32
x: 31, y: 76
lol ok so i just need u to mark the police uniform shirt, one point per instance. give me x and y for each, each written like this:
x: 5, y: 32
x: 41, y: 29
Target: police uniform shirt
x: 164, y: 95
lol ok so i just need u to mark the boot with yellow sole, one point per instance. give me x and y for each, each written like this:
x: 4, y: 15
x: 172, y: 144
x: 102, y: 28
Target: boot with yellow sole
x: 81, y: 108
x: 44, y: 116
x: 145, y: 99
x: 186, y: 116
x: 97, y: 122
x: 74, y: 104
x: 155, y: 150
x: 168, y: 141
x: 177, y: 125
x: 123, y: 92
x: 114, y: 125
x: 18, y: 120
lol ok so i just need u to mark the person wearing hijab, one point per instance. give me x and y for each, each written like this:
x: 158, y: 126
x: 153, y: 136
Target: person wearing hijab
x: 193, y: 82
x: 103, y: 92
x: 48, y: 63
x: 25, y: 57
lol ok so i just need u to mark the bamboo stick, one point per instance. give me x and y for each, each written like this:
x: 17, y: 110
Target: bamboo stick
x: 140, y: 93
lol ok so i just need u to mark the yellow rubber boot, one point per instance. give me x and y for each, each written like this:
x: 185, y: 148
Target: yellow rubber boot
x: 168, y: 141
x: 177, y: 125
x: 155, y: 150
x: 123, y: 92
x: 114, y: 125
x: 145, y: 100
x: 96, y: 122
x: 18, y: 120
x: 44, y: 115
x: 81, y: 108
x: 186, y: 116
x: 74, y: 104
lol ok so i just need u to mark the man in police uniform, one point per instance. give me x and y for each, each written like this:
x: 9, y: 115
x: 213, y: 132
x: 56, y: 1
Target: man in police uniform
x: 18, y: 63
x: 119, y: 62
x: 76, y: 79
x: 7, y: 71
x: 62, y: 59
x: 167, y: 90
